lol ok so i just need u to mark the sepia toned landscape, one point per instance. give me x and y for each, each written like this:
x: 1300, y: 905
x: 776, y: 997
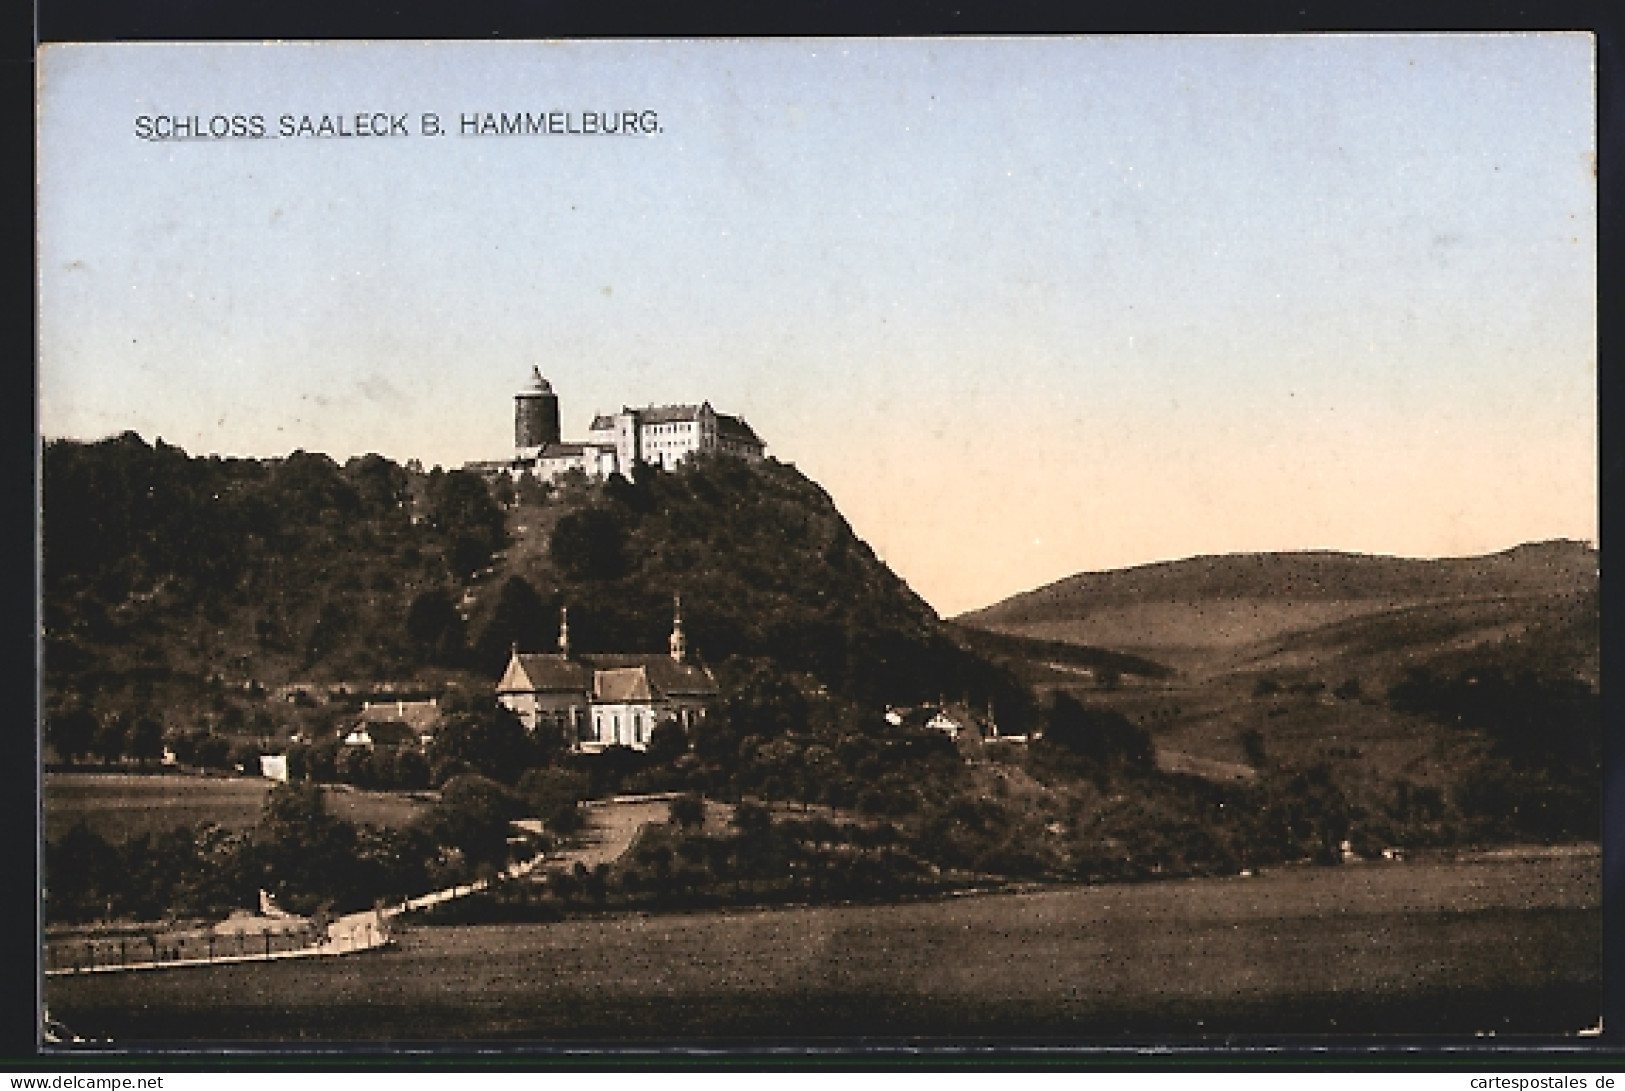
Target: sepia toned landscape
x: 1067, y: 541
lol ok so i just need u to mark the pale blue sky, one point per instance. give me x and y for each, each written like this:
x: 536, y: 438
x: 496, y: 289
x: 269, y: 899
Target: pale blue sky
x: 1024, y: 307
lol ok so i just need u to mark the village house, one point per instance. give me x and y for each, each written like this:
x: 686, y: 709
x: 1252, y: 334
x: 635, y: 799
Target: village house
x: 395, y: 724
x: 594, y: 701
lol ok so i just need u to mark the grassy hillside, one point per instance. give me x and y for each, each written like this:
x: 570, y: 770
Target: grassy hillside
x: 1208, y: 612
x: 1317, y: 660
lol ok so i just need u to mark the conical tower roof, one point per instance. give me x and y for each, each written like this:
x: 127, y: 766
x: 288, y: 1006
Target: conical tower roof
x: 537, y: 384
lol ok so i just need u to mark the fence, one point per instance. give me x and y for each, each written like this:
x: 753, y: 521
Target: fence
x: 154, y: 951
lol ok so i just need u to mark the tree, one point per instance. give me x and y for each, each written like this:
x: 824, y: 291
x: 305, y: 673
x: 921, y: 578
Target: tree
x: 411, y: 770
x: 520, y: 619
x: 305, y: 855
x: 435, y: 628
x: 688, y: 811
x: 146, y: 742
x: 546, y: 791
x: 109, y: 741
x: 354, y: 766
x: 381, y: 484
x: 530, y: 492
x: 84, y: 876
x: 489, y: 738
x: 503, y: 492
x: 71, y: 733
x: 589, y: 544
x: 473, y: 816
x: 461, y: 509
x: 752, y: 817
x: 667, y: 742
x: 1101, y: 736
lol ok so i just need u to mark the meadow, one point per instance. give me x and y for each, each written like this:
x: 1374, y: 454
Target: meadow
x: 1507, y: 943
x: 120, y: 806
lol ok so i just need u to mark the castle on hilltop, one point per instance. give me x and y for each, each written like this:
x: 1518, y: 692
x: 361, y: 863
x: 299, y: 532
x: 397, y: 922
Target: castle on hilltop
x: 658, y: 435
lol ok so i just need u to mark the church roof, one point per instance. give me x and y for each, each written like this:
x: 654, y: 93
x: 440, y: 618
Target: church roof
x: 621, y: 684
x: 660, y: 676
x: 665, y: 674
x: 543, y: 672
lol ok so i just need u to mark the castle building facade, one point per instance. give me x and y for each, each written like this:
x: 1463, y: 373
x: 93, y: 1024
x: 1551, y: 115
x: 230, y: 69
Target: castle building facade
x: 595, y: 701
x: 663, y: 435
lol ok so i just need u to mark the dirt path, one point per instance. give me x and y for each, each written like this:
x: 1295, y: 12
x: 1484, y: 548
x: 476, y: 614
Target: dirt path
x: 612, y: 826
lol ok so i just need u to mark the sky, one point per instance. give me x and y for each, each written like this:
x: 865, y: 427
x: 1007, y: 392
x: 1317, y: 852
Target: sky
x: 1023, y: 307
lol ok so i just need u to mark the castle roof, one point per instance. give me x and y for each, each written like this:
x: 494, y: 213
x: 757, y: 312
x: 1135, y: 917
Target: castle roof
x: 568, y: 450
x: 669, y: 414
x: 735, y: 428
x: 538, y: 385
x: 657, y: 414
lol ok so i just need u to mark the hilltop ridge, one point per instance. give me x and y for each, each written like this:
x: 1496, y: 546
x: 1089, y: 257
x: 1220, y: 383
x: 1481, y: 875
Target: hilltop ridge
x: 1317, y: 575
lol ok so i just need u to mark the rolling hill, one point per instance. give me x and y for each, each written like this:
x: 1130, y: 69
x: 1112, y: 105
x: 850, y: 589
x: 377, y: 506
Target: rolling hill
x: 1365, y: 666
x: 1219, y: 613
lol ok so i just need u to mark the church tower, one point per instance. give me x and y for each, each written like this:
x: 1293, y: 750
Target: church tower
x: 535, y: 416
x: 679, y: 642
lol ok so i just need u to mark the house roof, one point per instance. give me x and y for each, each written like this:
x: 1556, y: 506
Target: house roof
x: 420, y: 716
x: 387, y: 733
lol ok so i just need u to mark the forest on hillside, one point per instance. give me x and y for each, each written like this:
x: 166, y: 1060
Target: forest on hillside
x: 221, y: 607
x: 183, y: 588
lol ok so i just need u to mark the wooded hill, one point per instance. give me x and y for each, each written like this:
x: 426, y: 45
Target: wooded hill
x: 190, y: 588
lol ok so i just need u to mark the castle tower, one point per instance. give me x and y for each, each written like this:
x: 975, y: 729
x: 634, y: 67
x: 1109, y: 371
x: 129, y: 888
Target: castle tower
x: 535, y: 416
x: 679, y: 642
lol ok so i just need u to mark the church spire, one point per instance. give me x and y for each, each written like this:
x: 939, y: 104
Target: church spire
x: 679, y: 643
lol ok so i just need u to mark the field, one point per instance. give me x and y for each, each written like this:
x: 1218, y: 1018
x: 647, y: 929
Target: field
x: 1509, y: 944
x: 119, y: 806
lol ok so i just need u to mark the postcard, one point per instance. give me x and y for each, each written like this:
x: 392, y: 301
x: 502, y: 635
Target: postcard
x: 1059, y: 541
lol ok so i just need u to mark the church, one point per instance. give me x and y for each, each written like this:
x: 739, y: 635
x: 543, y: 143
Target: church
x: 659, y: 435
x: 596, y: 701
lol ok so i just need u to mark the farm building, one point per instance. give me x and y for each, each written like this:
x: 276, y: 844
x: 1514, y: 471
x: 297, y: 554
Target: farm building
x: 397, y: 724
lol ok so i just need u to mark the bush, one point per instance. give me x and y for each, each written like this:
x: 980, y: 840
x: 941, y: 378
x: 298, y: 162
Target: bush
x: 688, y: 811
x: 473, y: 816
